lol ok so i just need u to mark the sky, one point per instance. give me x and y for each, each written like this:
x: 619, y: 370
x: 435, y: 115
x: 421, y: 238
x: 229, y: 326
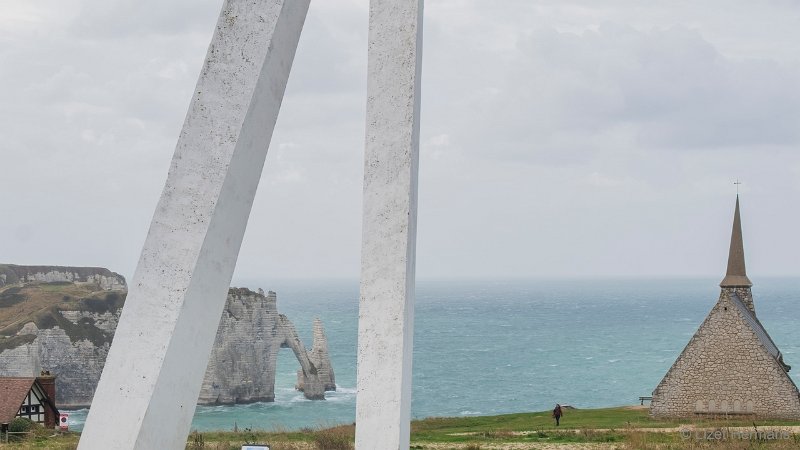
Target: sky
x: 569, y: 138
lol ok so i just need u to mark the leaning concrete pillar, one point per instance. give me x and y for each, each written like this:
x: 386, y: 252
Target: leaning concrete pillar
x: 386, y: 310
x: 148, y: 391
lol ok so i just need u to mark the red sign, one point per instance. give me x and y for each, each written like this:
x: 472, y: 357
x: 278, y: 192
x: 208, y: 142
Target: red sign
x: 63, y: 422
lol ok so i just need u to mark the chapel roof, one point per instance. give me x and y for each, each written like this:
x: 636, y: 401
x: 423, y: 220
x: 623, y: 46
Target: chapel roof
x: 736, y: 275
x: 759, y: 330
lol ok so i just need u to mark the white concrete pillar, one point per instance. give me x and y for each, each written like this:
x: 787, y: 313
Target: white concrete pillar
x: 386, y: 310
x: 149, y: 387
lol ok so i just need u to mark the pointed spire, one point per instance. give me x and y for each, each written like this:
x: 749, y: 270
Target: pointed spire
x: 736, y: 275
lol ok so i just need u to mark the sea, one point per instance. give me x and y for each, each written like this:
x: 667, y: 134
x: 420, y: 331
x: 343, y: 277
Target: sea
x: 487, y: 347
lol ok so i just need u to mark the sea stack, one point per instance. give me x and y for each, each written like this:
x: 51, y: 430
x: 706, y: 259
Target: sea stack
x: 731, y: 365
x: 320, y: 359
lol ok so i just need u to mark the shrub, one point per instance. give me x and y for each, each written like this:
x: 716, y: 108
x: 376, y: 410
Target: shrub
x: 196, y: 441
x: 333, y: 439
x: 20, y: 425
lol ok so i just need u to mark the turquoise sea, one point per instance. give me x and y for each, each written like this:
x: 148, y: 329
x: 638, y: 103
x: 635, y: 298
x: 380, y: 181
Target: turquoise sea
x: 493, y: 347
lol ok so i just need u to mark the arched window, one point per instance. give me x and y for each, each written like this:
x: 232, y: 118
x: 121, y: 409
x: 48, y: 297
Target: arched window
x: 700, y: 406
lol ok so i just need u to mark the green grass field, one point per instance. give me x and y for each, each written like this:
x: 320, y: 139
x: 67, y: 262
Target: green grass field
x: 608, y: 428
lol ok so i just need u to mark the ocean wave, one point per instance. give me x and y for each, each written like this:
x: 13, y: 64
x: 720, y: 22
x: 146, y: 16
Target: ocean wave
x: 210, y: 409
x: 299, y: 399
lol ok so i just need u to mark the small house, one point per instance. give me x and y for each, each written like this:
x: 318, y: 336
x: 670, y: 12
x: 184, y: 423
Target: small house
x: 31, y: 398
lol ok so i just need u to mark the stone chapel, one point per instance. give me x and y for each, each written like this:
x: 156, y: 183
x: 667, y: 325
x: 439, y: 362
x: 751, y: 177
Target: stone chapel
x: 731, y: 365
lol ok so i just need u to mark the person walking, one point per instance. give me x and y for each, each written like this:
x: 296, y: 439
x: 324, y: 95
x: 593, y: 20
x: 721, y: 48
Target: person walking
x: 557, y: 413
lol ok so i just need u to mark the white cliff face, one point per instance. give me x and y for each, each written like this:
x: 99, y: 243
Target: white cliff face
x: 73, y: 344
x: 76, y: 362
x: 103, y: 278
x: 55, y: 276
x: 241, y: 368
x: 239, y: 359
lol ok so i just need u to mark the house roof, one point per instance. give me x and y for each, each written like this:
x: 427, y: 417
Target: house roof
x: 758, y: 329
x: 12, y: 393
x: 736, y: 275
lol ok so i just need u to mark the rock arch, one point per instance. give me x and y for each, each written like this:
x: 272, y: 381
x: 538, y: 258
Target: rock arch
x: 243, y: 361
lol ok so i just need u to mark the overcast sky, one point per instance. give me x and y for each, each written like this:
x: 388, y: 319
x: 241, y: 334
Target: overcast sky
x: 560, y: 138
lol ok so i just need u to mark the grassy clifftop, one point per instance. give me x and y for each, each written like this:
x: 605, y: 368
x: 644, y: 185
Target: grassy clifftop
x: 40, y: 303
x: 622, y: 428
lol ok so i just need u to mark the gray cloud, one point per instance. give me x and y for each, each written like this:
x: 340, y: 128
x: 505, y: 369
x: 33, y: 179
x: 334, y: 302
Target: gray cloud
x: 115, y: 19
x: 558, y: 138
x: 558, y: 96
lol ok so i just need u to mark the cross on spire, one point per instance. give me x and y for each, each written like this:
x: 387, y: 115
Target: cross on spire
x: 737, y: 183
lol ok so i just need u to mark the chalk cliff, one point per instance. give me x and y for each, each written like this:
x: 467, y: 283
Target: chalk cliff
x: 320, y: 359
x: 63, y: 320
x: 242, y: 364
x: 103, y: 278
x: 60, y: 319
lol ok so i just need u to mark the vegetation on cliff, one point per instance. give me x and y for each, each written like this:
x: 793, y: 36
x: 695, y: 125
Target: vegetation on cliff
x: 41, y: 303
